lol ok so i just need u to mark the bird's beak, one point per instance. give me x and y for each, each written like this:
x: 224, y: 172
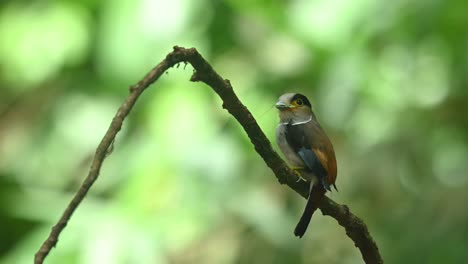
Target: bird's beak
x: 280, y: 105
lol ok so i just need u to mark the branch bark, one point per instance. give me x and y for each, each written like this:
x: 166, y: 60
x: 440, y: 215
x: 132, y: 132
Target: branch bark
x: 355, y: 227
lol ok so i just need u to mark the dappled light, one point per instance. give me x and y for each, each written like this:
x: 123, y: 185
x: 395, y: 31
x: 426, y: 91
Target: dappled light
x: 183, y: 184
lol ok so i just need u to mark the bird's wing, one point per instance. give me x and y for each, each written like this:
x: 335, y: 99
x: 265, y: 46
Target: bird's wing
x: 311, y: 143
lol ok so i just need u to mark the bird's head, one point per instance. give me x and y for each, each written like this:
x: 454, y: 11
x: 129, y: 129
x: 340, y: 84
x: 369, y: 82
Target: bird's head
x: 294, y: 107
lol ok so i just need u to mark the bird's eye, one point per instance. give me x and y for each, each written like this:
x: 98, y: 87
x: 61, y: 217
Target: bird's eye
x: 299, y: 102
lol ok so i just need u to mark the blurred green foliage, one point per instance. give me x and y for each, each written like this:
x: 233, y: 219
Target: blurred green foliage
x: 388, y: 80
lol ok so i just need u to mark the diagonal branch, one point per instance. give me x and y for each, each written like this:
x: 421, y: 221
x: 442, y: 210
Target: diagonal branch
x: 355, y: 227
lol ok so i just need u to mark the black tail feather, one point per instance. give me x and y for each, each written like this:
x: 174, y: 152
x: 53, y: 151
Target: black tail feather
x: 315, y: 197
x: 301, y: 227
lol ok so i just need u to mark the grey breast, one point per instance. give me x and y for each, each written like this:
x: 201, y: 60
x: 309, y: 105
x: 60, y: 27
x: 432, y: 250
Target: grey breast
x: 292, y: 157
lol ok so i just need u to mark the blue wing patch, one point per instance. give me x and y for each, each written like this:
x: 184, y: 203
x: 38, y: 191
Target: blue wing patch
x: 314, y: 165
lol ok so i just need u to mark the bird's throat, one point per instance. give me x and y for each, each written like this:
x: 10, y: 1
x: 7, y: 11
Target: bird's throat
x: 294, y: 122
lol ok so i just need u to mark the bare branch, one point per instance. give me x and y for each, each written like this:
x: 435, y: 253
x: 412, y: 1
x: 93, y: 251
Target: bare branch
x: 355, y: 227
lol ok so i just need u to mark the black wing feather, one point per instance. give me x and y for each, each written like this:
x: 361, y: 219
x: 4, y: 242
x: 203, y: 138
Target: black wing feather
x: 302, y: 145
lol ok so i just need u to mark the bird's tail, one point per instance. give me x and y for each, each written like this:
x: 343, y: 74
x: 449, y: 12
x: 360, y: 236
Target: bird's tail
x: 315, y: 197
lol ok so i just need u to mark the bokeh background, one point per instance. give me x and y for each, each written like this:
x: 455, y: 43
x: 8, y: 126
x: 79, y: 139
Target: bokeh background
x: 387, y: 79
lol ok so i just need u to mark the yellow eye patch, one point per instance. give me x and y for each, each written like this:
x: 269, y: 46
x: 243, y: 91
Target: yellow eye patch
x: 298, y: 102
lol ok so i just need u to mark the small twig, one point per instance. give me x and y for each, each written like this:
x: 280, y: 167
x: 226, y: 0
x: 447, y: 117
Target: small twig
x: 355, y: 227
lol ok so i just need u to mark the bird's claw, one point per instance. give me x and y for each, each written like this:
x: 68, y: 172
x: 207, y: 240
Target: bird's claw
x: 298, y: 174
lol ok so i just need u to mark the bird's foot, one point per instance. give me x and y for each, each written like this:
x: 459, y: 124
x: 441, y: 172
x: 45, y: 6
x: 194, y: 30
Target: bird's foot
x: 298, y: 170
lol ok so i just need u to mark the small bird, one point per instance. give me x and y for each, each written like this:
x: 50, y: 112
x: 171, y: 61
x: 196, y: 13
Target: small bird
x: 307, y: 149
